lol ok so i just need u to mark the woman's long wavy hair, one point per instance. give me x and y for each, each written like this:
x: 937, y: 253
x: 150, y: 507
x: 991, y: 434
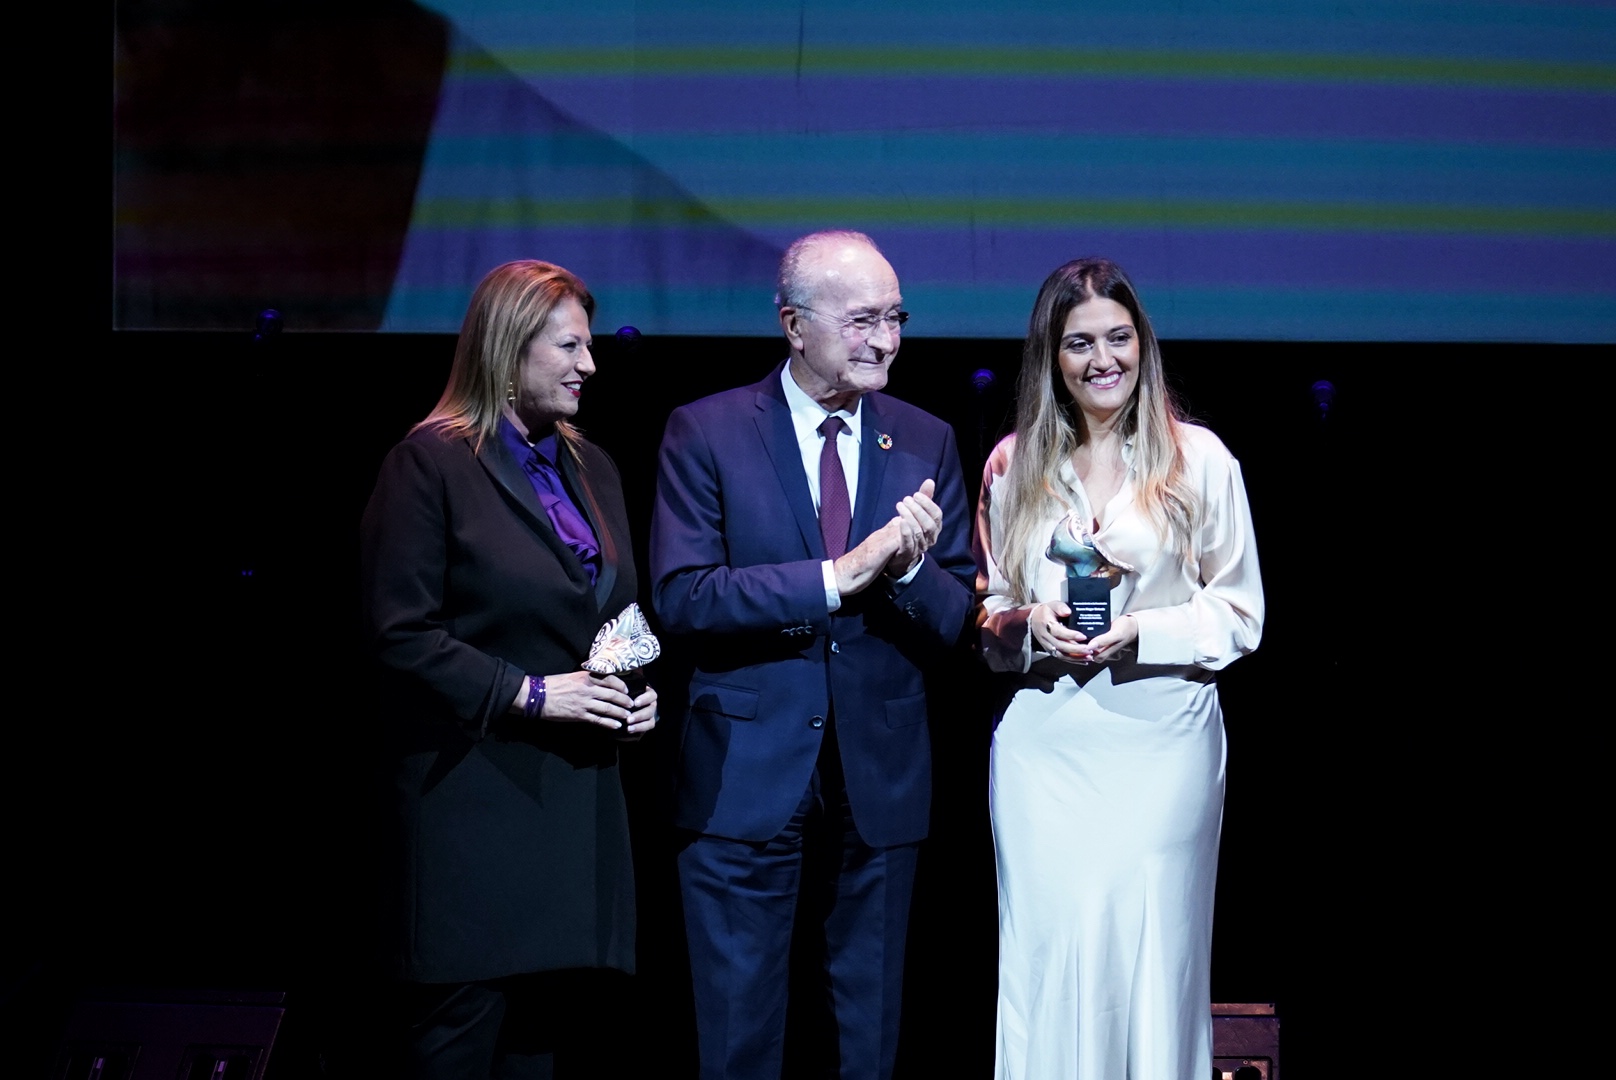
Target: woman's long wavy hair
x: 1050, y: 426
x: 511, y: 305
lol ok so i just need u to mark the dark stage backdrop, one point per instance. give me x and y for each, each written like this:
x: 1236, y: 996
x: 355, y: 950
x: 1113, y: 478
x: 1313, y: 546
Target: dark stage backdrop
x: 212, y: 815
x: 1380, y: 170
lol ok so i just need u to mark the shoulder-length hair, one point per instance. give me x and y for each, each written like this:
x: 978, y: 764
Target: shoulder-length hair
x: 511, y: 305
x: 1050, y: 426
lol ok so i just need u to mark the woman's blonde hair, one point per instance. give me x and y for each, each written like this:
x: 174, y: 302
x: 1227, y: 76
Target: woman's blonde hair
x: 511, y: 305
x: 1050, y: 426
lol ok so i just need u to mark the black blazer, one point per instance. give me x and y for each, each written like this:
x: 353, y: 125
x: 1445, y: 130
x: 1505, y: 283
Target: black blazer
x: 510, y: 850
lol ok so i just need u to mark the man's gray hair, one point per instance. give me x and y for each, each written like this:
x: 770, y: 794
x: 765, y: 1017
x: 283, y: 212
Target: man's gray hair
x: 791, y: 287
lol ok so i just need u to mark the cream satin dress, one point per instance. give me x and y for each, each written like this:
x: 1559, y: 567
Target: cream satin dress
x: 1106, y: 787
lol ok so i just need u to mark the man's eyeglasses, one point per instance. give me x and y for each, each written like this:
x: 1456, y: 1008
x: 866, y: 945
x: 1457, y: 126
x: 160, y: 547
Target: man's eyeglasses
x: 864, y: 325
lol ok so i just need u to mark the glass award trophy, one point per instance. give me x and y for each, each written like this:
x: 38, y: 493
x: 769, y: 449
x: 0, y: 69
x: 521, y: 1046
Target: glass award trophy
x: 1090, y: 576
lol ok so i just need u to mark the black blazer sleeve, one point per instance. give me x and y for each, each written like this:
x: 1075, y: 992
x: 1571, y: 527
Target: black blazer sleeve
x: 404, y: 567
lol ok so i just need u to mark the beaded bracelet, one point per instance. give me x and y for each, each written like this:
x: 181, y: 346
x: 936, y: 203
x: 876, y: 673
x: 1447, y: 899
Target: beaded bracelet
x: 535, y: 697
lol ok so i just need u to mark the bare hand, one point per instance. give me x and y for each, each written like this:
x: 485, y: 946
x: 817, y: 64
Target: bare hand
x: 895, y: 547
x: 920, y: 523
x: 644, y: 718
x: 586, y: 698
x: 1053, y: 636
x: 1124, y: 632
x: 1045, y: 623
x: 862, y: 565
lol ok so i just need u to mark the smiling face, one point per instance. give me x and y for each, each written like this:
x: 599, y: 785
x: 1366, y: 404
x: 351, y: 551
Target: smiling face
x: 553, y: 368
x: 1099, y: 358
x: 833, y: 362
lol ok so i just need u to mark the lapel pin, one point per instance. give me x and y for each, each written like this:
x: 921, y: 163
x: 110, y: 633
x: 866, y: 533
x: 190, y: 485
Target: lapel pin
x: 884, y: 441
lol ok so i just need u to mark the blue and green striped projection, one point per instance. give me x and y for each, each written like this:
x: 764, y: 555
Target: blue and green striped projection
x: 1408, y: 170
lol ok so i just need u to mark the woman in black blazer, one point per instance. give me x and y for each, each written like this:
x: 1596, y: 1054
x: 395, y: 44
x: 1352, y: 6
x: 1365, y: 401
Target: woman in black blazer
x: 495, y: 547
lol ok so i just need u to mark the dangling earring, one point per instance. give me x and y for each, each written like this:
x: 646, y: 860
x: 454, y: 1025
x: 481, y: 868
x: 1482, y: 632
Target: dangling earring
x: 510, y: 394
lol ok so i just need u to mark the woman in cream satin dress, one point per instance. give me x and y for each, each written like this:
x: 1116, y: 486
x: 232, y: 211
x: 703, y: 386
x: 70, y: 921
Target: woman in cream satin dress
x: 1108, y: 764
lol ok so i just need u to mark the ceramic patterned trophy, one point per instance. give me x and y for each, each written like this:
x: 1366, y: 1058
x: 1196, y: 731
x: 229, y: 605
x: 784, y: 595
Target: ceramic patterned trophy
x: 623, y: 647
x: 1090, y: 576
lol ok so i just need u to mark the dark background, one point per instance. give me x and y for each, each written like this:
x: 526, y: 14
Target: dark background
x: 207, y: 819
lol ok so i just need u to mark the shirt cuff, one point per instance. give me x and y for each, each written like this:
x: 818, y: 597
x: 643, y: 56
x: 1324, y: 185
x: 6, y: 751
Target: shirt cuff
x: 833, y: 595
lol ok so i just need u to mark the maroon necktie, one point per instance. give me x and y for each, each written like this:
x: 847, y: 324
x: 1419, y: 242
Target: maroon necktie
x: 835, y: 508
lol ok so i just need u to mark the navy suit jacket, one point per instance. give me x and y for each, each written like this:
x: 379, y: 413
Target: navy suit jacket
x: 736, y: 560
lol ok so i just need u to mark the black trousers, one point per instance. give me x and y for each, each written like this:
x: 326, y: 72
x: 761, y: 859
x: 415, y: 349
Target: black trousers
x: 525, y: 1027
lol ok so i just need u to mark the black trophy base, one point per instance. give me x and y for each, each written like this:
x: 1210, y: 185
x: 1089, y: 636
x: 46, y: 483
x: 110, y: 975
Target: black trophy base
x: 636, y: 681
x: 1090, y: 600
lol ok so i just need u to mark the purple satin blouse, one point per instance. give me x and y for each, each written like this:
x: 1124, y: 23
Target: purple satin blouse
x: 538, y: 460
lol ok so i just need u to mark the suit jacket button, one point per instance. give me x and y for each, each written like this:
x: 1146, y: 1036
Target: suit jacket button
x: 817, y: 722
x: 835, y: 646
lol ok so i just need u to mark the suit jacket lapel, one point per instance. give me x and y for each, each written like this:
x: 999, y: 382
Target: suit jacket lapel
x: 872, y: 471
x: 590, y: 505
x: 504, y: 470
x: 779, y: 440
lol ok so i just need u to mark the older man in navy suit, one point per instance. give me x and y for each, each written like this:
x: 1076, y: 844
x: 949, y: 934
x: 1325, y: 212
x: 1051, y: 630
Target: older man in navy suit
x: 810, y: 538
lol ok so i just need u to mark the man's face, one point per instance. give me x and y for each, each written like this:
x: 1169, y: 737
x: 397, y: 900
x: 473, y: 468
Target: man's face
x: 833, y: 361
